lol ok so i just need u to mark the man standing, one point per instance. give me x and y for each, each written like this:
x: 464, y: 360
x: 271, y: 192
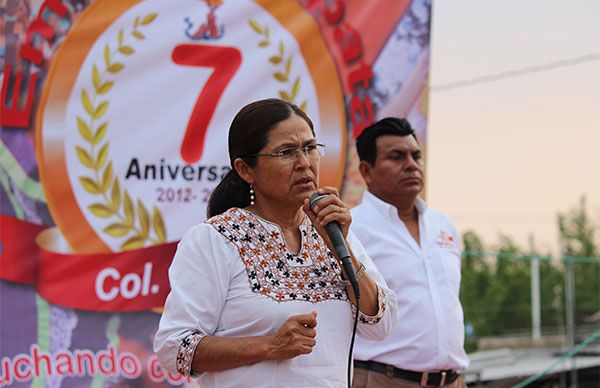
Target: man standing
x: 417, y: 249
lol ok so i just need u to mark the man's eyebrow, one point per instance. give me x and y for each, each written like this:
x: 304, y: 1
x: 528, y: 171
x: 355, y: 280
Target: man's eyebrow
x: 396, y: 150
x: 402, y: 150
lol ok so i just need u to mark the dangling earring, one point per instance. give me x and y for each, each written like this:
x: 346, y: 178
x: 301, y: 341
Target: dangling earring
x: 251, y: 196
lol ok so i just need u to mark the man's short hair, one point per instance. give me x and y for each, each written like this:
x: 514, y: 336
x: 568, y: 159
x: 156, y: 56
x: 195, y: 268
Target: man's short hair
x: 366, y: 144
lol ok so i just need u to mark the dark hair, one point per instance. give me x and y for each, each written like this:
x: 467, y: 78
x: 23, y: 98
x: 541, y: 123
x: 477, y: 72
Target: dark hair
x: 249, y: 134
x: 366, y: 144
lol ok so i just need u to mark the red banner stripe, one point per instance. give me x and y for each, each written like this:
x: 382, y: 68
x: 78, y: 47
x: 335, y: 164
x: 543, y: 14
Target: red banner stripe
x: 18, y: 253
x: 134, y: 280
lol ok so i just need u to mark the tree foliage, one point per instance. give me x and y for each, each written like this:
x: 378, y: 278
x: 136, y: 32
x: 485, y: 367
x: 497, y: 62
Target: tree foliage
x: 496, y: 289
x: 579, y: 239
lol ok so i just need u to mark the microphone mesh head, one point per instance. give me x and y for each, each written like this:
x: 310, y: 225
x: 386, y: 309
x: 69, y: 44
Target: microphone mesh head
x: 314, y: 198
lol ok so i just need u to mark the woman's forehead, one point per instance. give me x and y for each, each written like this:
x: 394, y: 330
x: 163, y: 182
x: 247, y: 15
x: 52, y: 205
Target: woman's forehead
x: 293, y: 130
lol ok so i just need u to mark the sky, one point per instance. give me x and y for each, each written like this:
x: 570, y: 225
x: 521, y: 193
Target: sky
x: 505, y: 157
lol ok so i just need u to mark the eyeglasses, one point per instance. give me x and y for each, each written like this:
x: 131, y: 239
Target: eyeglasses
x: 289, y: 155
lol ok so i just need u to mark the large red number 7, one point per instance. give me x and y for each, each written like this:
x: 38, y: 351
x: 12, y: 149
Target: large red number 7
x: 225, y: 62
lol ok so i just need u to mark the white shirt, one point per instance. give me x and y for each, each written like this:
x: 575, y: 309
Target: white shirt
x: 233, y: 276
x: 429, y: 333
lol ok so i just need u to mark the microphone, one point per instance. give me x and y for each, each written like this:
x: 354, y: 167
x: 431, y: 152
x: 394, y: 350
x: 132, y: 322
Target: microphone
x: 335, y: 235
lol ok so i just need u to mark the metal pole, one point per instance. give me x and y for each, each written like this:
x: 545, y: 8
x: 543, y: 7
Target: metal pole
x: 557, y: 304
x: 570, y: 304
x: 536, y: 313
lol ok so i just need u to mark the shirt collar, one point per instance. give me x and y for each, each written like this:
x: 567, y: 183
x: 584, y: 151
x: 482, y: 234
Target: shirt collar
x: 389, y: 209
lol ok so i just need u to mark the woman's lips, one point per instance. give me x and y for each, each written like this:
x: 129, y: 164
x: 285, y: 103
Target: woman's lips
x: 304, y: 183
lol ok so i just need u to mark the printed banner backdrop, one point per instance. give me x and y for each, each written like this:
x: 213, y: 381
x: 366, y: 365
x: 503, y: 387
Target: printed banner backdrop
x: 114, y: 120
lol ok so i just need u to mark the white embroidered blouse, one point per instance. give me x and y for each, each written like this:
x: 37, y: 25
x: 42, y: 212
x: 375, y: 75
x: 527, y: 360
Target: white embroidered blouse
x: 233, y: 276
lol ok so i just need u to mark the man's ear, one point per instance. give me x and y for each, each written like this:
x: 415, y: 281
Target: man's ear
x: 365, y: 170
x: 244, y: 171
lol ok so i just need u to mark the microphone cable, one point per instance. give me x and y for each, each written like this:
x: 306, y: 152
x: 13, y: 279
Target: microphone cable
x: 353, y: 338
x: 340, y: 248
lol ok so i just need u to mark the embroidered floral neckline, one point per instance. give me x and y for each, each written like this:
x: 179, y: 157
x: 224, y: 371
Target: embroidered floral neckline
x: 313, y: 275
x: 304, y: 225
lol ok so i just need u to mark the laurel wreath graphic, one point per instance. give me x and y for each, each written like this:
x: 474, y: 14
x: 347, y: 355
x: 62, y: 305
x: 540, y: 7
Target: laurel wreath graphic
x: 282, y: 62
x: 118, y: 203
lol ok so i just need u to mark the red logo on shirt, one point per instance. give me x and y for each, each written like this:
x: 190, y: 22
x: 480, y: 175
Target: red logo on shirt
x: 445, y: 240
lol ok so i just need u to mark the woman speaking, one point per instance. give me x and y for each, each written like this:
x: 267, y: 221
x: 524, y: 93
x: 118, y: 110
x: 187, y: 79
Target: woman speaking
x: 258, y: 296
